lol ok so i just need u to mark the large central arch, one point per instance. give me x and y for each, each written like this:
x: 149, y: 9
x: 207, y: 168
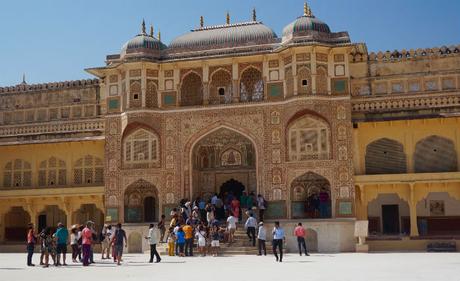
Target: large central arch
x: 220, y: 155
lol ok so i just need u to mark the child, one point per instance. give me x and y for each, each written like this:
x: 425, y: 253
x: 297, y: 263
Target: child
x: 171, y: 242
x: 215, y: 244
x: 180, y: 238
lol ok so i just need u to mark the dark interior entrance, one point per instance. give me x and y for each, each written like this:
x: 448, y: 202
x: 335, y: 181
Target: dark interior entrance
x: 149, y: 209
x: 390, y: 219
x: 234, y: 187
x: 41, y: 222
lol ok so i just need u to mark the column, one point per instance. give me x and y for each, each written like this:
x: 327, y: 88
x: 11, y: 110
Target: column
x: 235, y: 86
x: 313, y: 71
x: 413, y: 212
x: 294, y: 74
x: 362, y: 202
x: 3, y: 211
x: 143, y: 85
x: 128, y: 89
x: 205, y: 84
x: 161, y: 85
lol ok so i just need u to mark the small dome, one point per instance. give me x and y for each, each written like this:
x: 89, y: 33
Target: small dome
x: 303, y: 25
x: 224, y: 36
x: 307, y: 28
x: 143, y: 45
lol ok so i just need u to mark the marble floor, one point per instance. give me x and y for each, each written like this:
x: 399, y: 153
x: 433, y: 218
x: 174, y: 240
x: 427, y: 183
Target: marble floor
x: 329, y: 267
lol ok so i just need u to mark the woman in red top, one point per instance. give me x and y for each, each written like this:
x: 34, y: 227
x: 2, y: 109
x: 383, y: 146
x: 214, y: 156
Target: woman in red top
x: 299, y: 232
x: 235, y: 205
x: 31, y: 238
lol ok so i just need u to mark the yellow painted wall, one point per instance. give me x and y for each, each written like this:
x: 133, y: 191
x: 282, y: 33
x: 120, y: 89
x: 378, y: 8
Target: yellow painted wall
x: 36, y: 153
x: 407, y: 132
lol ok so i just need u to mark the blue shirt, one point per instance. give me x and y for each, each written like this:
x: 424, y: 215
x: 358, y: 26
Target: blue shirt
x: 62, y: 234
x: 278, y: 233
x: 180, y: 237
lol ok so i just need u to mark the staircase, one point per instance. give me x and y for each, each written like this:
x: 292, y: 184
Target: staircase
x: 241, y: 246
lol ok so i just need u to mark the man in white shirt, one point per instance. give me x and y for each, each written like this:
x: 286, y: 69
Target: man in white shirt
x: 153, y: 239
x: 278, y: 239
x: 250, y: 226
x: 262, y: 237
x: 231, y: 226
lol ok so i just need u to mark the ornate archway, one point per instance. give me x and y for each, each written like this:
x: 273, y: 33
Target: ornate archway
x: 220, y: 156
x: 141, y: 202
x: 311, y: 197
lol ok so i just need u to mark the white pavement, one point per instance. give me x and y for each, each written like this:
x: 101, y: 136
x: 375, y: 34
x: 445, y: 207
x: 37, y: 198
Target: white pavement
x: 324, y: 267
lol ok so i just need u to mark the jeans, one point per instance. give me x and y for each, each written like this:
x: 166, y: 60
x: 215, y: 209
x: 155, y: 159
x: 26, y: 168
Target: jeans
x: 74, y: 251
x: 278, y: 243
x: 86, y: 254
x: 251, y: 232
x: 30, y: 252
x: 301, y: 244
x: 261, y: 214
x: 261, y: 246
x: 189, y: 247
x: 153, y: 252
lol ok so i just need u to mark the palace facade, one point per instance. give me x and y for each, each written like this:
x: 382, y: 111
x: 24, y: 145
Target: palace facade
x: 234, y: 107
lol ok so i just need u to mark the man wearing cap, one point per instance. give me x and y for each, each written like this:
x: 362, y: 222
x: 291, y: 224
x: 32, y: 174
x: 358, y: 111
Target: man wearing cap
x: 261, y: 237
x: 61, y: 235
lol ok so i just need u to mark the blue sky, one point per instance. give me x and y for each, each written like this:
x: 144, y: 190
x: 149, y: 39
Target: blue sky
x: 54, y: 40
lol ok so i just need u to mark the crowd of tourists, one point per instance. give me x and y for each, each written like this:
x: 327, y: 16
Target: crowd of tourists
x: 203, y: 225
x: 82, y: 238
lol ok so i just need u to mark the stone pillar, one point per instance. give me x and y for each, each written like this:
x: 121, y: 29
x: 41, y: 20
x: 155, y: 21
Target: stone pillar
x: 128, y: 89
x: 235, y: 84
x: 413, y: 212
x: 294, y: 74
x: 3, y: 211
x: 143, y: 86
x: 313, y: 72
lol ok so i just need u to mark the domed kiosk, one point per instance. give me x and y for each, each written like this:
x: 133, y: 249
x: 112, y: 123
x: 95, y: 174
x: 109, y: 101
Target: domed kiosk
x: 307, y: 28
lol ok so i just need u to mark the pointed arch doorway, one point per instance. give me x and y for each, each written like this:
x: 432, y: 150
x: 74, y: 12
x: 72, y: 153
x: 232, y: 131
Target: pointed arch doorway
x: 223, y: 160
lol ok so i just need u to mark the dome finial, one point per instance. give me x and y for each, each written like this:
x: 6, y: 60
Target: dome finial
x: 143, y: 26
x: 159, y: 35
x: 151, y: 31
x: 24, y: 79
x: 306, y: 10
x: 228, y: 17
x: 254, y: 15
x: 201, y: 21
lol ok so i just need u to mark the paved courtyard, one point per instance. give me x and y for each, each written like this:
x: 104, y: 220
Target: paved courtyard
x: 325, y: 267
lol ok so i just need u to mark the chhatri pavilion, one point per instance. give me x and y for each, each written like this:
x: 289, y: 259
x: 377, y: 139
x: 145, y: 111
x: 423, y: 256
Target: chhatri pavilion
x: 239, y: 107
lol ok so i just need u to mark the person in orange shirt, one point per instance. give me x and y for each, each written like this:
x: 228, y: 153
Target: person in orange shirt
x: 188, y: 229
x: 299, y: 232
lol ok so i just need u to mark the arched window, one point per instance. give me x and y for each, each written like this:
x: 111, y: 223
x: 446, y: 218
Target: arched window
x: 151, y: 100
x: 140, y: 202
x: 17, y: 173
x: 308, y: 139
x: 321, y: 80
x: 141, y: 146
x: 251, y: 85
x: 303, y: 81
x: 52, y: 172
x: 435, y: 154
x: 191, y: 90
x: 135, y: 99
x: 88, y: 170
x: 289, y: 82
x: 220, y: 87
x: 385, y: 156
